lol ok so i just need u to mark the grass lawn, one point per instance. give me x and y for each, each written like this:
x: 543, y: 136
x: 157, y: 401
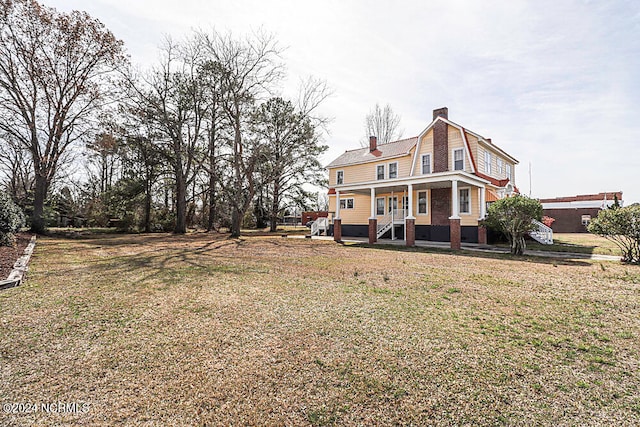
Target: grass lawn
x: 583, y: 243
x: 205, y: 330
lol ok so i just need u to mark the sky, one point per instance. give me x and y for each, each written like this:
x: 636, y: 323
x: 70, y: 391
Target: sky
x: 556, y: 84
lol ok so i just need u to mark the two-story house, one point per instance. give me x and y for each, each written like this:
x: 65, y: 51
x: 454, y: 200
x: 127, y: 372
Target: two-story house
x: 435, y: 186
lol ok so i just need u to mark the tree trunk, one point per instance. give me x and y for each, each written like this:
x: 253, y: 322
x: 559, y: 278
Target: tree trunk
x: 147, y: 207
x: 37, y: 220
x: 236, y: 222
x: 274, y: 206
x: 181, y: 204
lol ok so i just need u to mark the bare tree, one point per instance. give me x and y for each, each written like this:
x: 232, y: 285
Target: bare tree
x: 16, y: 169
x: 53, y: 69
x: 249, y: 68
x: 174, y: 101
x: 382, y: 123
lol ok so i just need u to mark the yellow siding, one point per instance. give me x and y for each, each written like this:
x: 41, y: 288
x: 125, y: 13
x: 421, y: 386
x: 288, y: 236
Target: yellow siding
x: 367, y: 171
x: 455, y: 141
x: 360, y: 212
x: 426, y: 147
x: 472, y: 218
x: 494, y: 163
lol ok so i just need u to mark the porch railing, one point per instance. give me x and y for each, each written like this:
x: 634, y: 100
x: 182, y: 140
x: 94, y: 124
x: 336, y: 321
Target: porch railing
x: 542, y: 233
x: 320, y: 224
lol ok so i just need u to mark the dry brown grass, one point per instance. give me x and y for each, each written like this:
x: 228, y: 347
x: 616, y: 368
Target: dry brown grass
x: 203, y: 330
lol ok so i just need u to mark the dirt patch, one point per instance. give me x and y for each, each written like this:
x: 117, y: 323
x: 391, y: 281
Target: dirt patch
x: 9, y: 255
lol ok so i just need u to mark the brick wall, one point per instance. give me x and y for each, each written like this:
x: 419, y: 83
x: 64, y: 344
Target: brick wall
x: 570, y: 220
x: 440, y: 206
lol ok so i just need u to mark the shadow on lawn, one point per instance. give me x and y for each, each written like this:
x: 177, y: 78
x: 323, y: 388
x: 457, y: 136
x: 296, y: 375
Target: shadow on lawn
x: 477, y: 254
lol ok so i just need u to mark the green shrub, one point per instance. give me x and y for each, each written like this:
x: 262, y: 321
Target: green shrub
x: 11, y: 219
x: 514, y: 217
x: 622, y: 227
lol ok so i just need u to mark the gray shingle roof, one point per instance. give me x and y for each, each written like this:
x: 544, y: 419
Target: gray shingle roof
x: 363, y: 155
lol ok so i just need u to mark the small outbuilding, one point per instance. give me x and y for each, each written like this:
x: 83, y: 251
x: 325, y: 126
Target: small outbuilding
x: 572, y: 214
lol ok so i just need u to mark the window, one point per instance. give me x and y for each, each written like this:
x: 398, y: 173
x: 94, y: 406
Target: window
x: 509, y: 172
x: 487, y: 163
x: 393, y: 203
x: 422, y: 202
x: 339, y: 177
x: 380, y: 206
x: 426, y: 164
x: 393, y: 170
x: 500, y: 166
x: 586, y: 219
x: 380, y: 172
x: 465, y: 202
x: 458, y: 159
x: 346, y: 203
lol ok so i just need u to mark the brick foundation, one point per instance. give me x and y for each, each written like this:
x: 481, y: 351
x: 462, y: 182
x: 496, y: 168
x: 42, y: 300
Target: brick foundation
x: 373, y: 230
x: 337, y: 230
x: 454, y: 225
x: 410, y: 231
x: 482, y: 235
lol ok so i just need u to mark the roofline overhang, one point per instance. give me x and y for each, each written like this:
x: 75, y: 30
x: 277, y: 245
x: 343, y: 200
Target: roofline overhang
x: 461, y: 176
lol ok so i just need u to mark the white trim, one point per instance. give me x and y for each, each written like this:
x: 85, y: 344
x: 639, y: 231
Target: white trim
x: 462, y: 176
x: 455, y: 204
x: 467, y: 147
x: 389, y: 170
x: 384, y: 205
x: 426, y: 196
x: 384, y: 173
x: 453, y: 159
x: 340, y: 183
x: 487, y: 164
x: 422, y: 156
x: 459, y: 199
x: 346, y: 203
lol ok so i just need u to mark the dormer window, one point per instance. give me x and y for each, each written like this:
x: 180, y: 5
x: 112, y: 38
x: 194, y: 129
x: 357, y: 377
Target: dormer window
x: 339, y: 177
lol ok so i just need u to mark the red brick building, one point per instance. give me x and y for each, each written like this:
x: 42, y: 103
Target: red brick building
x: 573, y: 214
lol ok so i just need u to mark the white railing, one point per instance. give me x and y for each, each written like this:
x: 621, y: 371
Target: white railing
x: 320, y: 224
x: 385, y: 223
x: 542, y: 233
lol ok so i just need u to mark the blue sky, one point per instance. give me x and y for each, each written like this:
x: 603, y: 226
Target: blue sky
x: 554, y: 83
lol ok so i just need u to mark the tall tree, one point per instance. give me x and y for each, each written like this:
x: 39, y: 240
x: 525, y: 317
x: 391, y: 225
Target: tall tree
x: 249, y: 68
x: 382, y: 123
x: 174, y: 100
x: 53, y: 69
x: 289, y: 152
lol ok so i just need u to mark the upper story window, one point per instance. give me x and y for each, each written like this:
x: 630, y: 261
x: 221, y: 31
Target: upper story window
x: 458, y: 159
x: 500, y: 166
x: 339, y: 177
x: 487, y: 163
x: 465, y: 200
x: 380, y: 172
x: 426, y: 163
x: 393, y: 170
x: 509, y: 171
x: 422, y: 202
x: 346, y: 203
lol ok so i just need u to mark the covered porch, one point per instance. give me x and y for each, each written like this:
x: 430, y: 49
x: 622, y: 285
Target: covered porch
x: 443, y: 207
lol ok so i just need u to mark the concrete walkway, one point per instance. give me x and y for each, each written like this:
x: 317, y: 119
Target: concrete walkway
x: 476, y: 248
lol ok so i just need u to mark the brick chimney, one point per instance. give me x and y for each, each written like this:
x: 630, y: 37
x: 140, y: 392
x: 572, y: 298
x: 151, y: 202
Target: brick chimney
x: 441, y: 141
x: 373, y: 143
x: 442, y: 112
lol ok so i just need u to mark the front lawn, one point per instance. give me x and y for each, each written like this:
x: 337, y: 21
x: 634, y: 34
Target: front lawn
x: 205, y: 330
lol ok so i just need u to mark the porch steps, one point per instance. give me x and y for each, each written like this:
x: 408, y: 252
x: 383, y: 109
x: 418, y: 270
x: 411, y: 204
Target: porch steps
x: 542, y: 233
x: 319, y: 225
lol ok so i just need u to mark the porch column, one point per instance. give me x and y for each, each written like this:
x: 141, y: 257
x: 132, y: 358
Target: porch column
x: 373, y: 221
x: 337, y: 222
x: 454, y: 219
x: 410, y: 221
x: 482, y: 229
x: 483, y: 204
x: 373, y: 203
